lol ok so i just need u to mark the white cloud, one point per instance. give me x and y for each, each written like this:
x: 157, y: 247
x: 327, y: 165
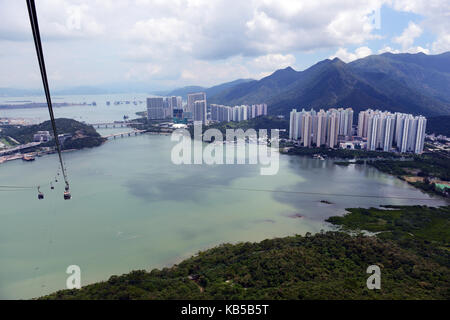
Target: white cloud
x: 418, y: 49
x: 286, y: 26
x: 388, y: 49
x: 346, y: 56
x: 436, y: 15
x: 442, y: 44
x: 201, y: 41
x: 406, y: 39
x: 273, y: 61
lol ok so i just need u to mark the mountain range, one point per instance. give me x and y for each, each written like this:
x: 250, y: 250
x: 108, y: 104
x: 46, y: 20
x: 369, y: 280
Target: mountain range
x: 412, y: 83
x: 210, y: 92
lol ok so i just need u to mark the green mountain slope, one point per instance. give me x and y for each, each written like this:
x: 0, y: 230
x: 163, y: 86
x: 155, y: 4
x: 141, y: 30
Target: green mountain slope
x: 212, y: 91
x: 405, y: 83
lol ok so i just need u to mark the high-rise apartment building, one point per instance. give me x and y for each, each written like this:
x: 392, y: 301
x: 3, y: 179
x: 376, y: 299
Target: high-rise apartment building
x: 320, y: 132
x: 199, y: 113
x: 155, y: 108
x: 386, y: 131
x: 162, y: 107
x: 237, y: 113
x: 191, y: 98
x: 320, y: 128
x: 332, y: 130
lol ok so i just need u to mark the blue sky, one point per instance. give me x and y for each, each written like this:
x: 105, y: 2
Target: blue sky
x: 167, y: 44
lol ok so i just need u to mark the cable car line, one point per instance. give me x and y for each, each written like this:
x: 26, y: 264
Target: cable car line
x: 17, y: 187
x: 40, y: 56
x: 309, y: 193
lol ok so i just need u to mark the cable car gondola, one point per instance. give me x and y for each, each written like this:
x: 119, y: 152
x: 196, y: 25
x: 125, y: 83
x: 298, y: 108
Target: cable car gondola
x: 67, y: 194
x: 40, y: 194
x: 40, y: 57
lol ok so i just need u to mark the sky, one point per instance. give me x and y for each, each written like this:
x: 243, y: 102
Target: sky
x: 172, y: 43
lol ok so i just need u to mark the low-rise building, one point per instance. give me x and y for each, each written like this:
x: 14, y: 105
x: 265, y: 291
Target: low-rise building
x: 42, y: 136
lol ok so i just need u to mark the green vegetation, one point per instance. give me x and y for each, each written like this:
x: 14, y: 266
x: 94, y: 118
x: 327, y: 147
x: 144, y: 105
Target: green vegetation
x: 431, y: 167
x: 344, y: 153
x: 422, y: 222
x: 419, y: 229
x: 7, y: 141
x: 379, y: 81
x: 426, y: 165
x: 82, y: 135
x: 411, y: 249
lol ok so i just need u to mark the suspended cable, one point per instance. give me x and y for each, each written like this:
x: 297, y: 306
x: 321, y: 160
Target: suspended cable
x: 40, y: 55
x: 18, y: 187
x: 308, y: 193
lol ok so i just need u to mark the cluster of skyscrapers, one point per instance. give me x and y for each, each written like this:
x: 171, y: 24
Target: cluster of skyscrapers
x: 222, y: 113
x: 392, y: 131
x: 162, y: 107
x: 376, y: 130
x: 159, y: 108
x: 323, y: 128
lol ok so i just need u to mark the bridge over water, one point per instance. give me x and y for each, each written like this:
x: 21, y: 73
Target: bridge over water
x: 118, y: 124
x: 123, y: 134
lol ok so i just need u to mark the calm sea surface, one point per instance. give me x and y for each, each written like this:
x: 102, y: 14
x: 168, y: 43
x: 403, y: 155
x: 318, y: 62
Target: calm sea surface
x: 133, y: 209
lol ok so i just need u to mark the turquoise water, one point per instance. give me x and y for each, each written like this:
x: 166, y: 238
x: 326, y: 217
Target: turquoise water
x: 133, y: 209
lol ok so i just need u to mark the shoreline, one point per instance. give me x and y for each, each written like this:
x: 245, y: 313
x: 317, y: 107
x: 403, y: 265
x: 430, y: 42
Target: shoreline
x: 348, y: 231
x: 355, y: 159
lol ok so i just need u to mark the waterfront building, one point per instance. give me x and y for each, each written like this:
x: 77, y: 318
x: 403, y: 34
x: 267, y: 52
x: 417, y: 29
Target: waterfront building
x: 174, y: 102
x: 387, y: 131
x: 237, y: 113
x: 363, y: 123
x: 332, y: 129
x: 155, y: 108
x: 199, y: 113
x: 420, y: 134
x: 321, y: 128
x: 306, y: 129
x: 42, y: 136
x: 159, y: 108
x: 345, y: 121
x: 191, y: 98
